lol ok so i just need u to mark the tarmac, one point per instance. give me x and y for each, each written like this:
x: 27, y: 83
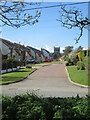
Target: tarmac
x: 47, y: 81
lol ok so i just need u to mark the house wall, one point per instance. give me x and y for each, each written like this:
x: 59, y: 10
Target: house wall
x: 4, y: 49
x: 38, y: 58
x: 42, y: 57
x: 28, y: 56
x: 17, y: 56
x: 46, y: 54
x: 32, y: 53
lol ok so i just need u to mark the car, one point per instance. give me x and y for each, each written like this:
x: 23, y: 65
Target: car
x: 33, y: 61
x: 48, y: 60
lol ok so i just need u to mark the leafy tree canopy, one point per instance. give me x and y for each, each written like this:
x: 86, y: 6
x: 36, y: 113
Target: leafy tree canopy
x: 67, y: 50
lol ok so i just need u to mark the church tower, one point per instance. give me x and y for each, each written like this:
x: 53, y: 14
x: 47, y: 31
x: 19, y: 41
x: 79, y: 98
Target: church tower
x: 56, y: 54
x: 56, y: 49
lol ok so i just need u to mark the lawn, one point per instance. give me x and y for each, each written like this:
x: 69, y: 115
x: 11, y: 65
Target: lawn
x: 78, y: 76
x: 16, y: 76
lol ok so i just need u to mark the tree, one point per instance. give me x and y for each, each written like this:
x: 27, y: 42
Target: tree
x: 80, y: 48
x: 16, y: 14
x: 73, y: 18
x: 67, y: 50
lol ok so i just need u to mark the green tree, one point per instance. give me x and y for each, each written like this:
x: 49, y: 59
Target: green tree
x: 67, y: 50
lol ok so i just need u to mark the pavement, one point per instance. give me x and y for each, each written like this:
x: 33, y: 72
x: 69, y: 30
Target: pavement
x: 47, y: 81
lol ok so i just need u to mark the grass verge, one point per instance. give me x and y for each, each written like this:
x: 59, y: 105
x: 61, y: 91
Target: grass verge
x: 17, y: 75
x: 78, y: 76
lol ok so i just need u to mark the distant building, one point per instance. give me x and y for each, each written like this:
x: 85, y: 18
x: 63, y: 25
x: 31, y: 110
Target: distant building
x: 56, y: 49
x: 56, y: 55
x: 37, y: 54
x: 45, y: 53
x: 14, y: 50
x: 8, y: 49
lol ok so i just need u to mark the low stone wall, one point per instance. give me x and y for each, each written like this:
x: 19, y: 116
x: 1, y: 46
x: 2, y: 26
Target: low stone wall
x: 10, y: 70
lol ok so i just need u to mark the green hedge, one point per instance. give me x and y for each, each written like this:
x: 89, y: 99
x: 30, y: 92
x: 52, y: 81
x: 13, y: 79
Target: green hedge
x: 9, y: 63
x: 31, y: 107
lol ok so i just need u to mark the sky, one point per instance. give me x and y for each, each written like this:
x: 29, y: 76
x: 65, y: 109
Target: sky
x: 48, y: 32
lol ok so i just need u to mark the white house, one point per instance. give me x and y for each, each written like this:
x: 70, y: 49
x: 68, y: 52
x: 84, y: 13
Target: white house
x: 8, y: 49
x: 45, y: 53
x: 37, y: 54
x: 5, y: 49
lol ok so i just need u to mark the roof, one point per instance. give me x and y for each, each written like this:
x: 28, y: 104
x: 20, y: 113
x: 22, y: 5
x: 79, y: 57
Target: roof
x: 7, y: 42
x: 17, y: 47
x: 35, y: 50
x: 21, y: 47
x: 45, y: 50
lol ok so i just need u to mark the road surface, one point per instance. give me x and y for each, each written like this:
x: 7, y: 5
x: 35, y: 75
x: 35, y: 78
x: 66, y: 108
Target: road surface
x: 48, y: 81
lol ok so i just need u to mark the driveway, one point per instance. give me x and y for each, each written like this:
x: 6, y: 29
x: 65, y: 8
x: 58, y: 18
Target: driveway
x: 47, y: 81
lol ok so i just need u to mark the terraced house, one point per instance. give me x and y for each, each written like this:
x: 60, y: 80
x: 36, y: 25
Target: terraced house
x: 37, y: 54
x: 20, y: 52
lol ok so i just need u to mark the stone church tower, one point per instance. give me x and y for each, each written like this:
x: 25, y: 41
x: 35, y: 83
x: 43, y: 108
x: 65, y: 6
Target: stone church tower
x: 56, y: 53
x: 56, y: 49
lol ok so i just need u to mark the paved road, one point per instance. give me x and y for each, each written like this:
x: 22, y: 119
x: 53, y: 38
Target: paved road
x: 47, y: 81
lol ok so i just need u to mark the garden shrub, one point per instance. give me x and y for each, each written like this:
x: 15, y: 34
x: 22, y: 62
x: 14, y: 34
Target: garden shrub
x: 79, y: 56
x: 9, y: 63
x: 69, y: 62
x: 75, y: 59
x: 80, y: 65
x: 28, y: 66
x: 15, y: 63
x: 86, y: 62
x: 4, y: 64
x: 82, y: 55
x: 31, y: 107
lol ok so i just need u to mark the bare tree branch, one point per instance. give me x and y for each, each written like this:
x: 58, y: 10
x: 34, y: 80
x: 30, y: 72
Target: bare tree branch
x: 15, y: 14
x: 73, y: 18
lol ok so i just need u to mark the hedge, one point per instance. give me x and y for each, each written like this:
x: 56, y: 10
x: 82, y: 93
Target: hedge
x: 31, y: 107
x: 9, y: 63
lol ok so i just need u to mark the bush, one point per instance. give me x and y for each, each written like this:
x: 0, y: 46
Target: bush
x: 15, y: 63
x: 31, y: 107
x: 80, y: 65
x: 9, y: 63
x: 66, y: 58
x: 28, y: 66
x: 75, y: 59
x: 69, y: 62
x: 4, y: 64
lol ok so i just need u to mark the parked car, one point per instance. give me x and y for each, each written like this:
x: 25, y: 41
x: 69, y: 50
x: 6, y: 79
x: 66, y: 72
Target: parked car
x: 33, y: 61
x: 48, y: 60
